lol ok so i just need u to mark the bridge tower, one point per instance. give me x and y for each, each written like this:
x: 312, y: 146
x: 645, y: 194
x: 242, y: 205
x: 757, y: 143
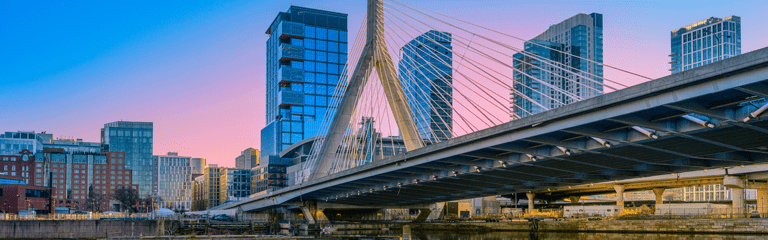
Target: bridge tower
x: 375, y: 55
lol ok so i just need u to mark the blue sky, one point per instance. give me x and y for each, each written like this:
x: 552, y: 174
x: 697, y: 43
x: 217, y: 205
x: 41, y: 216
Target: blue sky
x: 196, y: 68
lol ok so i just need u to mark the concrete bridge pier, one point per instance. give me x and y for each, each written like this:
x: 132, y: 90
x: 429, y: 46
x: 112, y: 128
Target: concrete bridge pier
x: 619, y: 196
x: 574, y: 199
x: 659, y: 192
x: 312, y: 213
x: 530, y: 201
x: 737, y: 185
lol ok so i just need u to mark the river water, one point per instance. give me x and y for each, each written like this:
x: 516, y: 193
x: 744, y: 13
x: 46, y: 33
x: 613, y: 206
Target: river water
x: 590, y: 236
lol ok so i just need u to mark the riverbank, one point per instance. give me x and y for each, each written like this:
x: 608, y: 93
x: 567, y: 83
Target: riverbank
x: 686, y: 226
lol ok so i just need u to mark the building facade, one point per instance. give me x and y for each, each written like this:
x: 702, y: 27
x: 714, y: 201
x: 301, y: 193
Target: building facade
x: 198, y: 165
x: 79, y: 181
x: 199, y: 199
x: 426, y: 76
x: 705, y: 42
x: 559, y: 66
x: 270, y: 176
x: 248, y: 159
x: 235, y: 184
x: 11, y: 143
x: 174, y: 181
x: 135, y: 140
x: 213, y: 185
x: 306, y: 54
x: 17, y: 196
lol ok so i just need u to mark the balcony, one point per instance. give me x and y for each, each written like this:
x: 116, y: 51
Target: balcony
x: 288, y: 29
x: 287, y: 98
x: 290, y: 75
x: 289, y: 52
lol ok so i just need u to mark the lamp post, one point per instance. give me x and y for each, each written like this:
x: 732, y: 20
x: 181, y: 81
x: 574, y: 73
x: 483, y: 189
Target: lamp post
x: 719, y: 46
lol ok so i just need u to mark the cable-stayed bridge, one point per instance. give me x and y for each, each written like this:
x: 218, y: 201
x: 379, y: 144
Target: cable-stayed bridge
x: 446, y: 101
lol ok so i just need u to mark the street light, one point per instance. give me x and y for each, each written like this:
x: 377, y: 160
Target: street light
x: 719, y: 46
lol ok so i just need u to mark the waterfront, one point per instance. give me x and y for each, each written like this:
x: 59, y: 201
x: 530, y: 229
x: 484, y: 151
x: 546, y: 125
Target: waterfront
x: 582, y: 235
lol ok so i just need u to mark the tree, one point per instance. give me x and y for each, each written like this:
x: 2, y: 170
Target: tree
x: 127, y: 197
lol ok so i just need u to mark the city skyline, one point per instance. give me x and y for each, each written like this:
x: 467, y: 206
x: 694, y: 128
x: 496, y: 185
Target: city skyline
x: 204, y: 63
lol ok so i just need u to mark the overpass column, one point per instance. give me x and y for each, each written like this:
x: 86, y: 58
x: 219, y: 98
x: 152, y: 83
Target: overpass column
x: 619, y: 196
x: 736, y: 184
x: 659, y: 192
x: 574, y: 199
x: 530, y: 201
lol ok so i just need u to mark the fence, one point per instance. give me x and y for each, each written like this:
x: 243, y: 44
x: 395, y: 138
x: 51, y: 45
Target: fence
x: 86, y: 216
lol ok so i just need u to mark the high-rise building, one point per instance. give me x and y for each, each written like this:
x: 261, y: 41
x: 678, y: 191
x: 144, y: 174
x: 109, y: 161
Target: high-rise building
x: 174, y: 181
x: 135, y: 140
x: 704, y: 42
x: 199, y: 199
x: 248, y: 159
x: 426, y: 75
x: 213, y: 182
x: 306, y: 53
x: 235, y: 184
x: 197, y: 164
x: 563, y: 62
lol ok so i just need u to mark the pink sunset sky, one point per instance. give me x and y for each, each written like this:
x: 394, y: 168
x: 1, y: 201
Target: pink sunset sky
x: 197, y: 70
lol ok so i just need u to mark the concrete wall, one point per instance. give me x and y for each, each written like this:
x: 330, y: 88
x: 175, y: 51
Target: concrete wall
x: 43, y: 229
x: 715, y: 226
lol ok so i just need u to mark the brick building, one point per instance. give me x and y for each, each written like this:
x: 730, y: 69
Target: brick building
x: 79, y: 181
x: 16, y: 195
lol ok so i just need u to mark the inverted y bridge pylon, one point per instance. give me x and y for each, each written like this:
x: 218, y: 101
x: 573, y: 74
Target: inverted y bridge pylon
x: 374, y: 55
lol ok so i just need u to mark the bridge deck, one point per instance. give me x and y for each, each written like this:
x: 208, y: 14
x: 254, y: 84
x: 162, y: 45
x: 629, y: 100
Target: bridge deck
x: 524, y: 155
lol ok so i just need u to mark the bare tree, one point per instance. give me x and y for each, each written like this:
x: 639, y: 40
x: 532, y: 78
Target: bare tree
x: 127, y: 197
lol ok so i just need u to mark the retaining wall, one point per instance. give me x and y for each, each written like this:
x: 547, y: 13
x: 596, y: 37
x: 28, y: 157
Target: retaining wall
x: 719, y: 226
x: 43, y: 229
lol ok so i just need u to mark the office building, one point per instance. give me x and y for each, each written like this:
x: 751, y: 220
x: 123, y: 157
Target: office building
x: 559, y: 66
x: 198, y: 165
x: 213, y: 184
x: 248, y: 159
x: 73, y: 145
x: 199, y: 199
x: 426, y: 75
x: 306, y: 53
x: 174, y: 181
x: 135, y: 140
x: 11, y: 143
x: 704, y: 42
x: 235, y: 184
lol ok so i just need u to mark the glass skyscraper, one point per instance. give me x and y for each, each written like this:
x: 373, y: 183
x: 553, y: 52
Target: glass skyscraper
x: 426, y: 73
x: 135, y: 140
x: 306, y: 53
x: 704, y: 42
x: 545, y: 72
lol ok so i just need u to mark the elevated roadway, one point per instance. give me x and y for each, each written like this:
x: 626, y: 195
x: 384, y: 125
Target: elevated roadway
x: 694, y: 120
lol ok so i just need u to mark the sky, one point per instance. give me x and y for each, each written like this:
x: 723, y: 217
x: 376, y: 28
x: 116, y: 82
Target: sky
x: 196, y: 69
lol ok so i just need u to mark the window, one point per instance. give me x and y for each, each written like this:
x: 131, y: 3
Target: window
x: 309, y: 31
x: 309, y: 66
x: 309, y: 44
x: 321, y: 33
x: 321, y: 56
x: 321, y: 45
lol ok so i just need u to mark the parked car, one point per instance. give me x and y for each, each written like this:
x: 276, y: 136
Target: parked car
x: 222, y: 217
